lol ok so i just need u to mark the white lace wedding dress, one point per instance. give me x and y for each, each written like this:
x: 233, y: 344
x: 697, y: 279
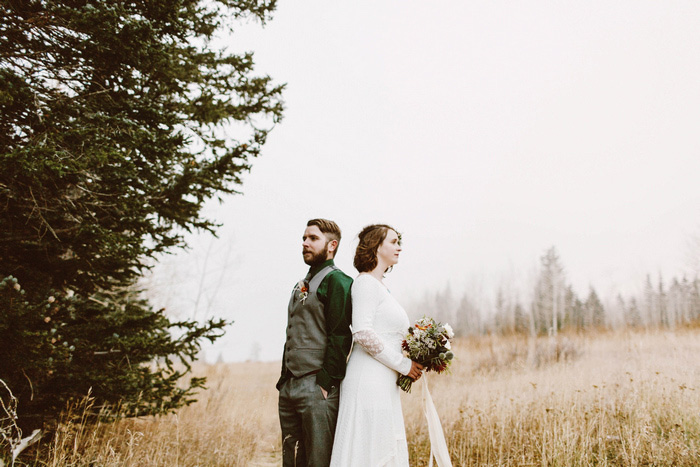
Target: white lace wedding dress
x: 370, y: 430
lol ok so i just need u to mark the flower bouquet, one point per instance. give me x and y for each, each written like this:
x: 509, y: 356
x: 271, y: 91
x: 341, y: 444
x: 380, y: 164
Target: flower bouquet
x: 428, y: 343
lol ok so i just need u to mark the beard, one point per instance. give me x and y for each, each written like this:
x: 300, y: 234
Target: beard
x: 317, y: 258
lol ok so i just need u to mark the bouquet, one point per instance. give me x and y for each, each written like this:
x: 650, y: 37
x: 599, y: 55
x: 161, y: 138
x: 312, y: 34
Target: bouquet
x: 427, y: 343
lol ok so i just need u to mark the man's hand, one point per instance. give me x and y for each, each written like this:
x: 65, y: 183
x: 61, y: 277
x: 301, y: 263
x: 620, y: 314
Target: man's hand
x: 416, y: 371
x: 324, y: 392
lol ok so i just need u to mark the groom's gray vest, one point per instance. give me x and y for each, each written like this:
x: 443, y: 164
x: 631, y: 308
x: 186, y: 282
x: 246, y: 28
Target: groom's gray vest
x: 306, y: 332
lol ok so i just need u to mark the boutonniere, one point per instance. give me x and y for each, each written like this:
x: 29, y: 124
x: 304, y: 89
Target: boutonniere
x: 303, y: 290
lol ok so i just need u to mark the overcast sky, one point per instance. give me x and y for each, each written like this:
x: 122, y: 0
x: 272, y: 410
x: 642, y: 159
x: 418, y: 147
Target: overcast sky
x: 484, y: 131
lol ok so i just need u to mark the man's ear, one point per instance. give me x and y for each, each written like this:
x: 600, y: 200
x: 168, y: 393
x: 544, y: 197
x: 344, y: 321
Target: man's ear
x: 332, y: 246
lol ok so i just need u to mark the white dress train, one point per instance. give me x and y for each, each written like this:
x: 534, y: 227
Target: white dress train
x: 370, y: 430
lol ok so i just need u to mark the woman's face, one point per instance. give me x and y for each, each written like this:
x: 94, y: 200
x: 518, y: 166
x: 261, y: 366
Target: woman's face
x: 388, y: 252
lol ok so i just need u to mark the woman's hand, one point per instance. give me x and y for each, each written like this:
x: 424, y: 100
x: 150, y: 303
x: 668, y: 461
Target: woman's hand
x: 416, y: 371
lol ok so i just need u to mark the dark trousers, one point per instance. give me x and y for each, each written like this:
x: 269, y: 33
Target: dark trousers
x: 307, y: 421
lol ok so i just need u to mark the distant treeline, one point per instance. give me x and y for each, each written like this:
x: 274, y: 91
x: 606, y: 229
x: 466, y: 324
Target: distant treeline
x: 553, y: 306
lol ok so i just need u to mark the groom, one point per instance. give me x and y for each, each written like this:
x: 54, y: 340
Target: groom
x: 317, y: 347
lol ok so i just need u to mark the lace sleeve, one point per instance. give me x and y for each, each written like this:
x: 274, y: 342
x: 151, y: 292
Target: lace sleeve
x: 370, y: 341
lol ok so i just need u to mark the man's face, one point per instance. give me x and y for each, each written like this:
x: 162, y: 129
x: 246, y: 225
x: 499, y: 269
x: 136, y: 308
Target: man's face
x: 315, y: 246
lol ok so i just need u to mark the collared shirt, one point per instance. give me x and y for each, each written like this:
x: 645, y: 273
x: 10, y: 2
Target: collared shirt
x: 334, y: 293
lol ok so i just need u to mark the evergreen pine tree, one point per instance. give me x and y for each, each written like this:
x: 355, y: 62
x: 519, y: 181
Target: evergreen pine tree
x: 111, y: 140
x: 594, y: 310
x: 522, y: 319
x: 633, y: 316
x: 549, y: 294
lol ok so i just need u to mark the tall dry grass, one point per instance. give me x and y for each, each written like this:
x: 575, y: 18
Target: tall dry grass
x: 628, y: 399
x: 613, y: 399
x: 232, y: 423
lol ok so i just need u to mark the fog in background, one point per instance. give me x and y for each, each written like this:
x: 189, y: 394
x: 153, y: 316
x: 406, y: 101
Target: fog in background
x: 486, y: 132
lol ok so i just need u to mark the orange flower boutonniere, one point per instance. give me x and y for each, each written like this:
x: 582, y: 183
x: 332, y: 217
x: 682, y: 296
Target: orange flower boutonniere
x: 303, y: 288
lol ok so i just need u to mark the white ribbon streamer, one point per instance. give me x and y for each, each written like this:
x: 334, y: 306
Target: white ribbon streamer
x: 438, y: 445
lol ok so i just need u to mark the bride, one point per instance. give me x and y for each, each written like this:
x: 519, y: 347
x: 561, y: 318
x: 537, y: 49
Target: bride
x: 370, y: 430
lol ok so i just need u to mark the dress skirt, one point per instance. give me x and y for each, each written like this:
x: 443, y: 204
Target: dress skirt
x: 370, y: 430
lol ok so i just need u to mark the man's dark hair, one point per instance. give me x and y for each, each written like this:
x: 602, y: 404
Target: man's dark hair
x: 329, y: 228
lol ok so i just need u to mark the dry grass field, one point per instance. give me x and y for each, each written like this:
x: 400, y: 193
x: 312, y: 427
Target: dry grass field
x: 627, y: 399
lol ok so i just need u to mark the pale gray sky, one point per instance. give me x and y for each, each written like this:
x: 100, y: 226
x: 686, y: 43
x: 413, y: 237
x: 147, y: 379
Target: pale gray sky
x: 485, y: 131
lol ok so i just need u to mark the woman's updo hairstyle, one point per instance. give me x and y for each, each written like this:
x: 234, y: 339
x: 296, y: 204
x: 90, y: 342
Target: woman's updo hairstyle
x: 371, y: 238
